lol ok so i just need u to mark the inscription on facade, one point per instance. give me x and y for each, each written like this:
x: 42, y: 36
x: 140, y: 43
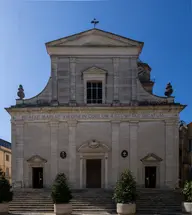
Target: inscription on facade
x: 81, y: 116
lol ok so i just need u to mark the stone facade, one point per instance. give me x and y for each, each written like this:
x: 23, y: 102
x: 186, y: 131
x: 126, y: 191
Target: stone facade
x: 58, y: 131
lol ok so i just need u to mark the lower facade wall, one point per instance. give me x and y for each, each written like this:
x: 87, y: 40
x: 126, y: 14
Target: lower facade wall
x: 148, y: 144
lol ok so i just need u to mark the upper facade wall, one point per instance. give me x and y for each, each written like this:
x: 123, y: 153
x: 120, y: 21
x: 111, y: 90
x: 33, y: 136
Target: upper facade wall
x: 94, y: 56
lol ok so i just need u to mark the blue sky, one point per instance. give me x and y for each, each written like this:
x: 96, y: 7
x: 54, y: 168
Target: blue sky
x: 165, y: 26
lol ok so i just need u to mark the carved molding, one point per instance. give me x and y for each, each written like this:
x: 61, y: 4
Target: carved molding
x: 94, y: 116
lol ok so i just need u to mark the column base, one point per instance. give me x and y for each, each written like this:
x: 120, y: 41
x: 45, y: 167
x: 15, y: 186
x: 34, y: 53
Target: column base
x: 54, y: 103
x: 72, y: 103
x: 116, y: 103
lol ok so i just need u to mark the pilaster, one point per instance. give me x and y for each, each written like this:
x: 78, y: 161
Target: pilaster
x: 72, y: 81
x: 54, y: 81
x: 54, y: 126
x: 72, y: 152
x: 133, y: 64
x: 115, y: 80
x: 115, y: 150
x: 170, y: 162
x: 13, y: 149
x: 106, y: 170
x: 19, y: 129
x: 133, y: 150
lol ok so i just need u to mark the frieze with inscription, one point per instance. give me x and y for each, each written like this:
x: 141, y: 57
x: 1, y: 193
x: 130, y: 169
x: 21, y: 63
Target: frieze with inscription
x: 87, y: 116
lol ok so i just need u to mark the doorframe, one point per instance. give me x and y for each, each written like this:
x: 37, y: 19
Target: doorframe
x: 32, y: 169
x: 104, y: 168
x: 152, y: 164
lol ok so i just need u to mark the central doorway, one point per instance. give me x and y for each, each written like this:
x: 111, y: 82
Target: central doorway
x: 37, y: 177
x: 93, y: 176
x: 150, y: 176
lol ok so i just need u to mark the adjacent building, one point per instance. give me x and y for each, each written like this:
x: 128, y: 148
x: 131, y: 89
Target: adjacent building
x: 96, y: 116
x: 185, y: 152
x: 5, y: 158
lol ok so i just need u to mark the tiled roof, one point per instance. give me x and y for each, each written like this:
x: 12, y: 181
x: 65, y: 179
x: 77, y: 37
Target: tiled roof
x: 5, y: 144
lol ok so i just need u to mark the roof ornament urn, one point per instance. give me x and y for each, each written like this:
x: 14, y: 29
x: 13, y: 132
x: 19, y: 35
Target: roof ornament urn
x: 168, y: 90
x: 20, y: 92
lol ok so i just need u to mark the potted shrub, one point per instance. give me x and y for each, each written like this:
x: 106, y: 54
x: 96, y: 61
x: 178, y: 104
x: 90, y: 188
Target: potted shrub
x: 187, y: 192
x: 125, y: 193
x: 5, y: 193
x: 61, y: 195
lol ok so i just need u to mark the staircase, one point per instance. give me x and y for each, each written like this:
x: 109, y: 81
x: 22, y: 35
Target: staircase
x: 31, y: 200
x: 84, y: 201
x: 159, y: 202
x: 98, y: 201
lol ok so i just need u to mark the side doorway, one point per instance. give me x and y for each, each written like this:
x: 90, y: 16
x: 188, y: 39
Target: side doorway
x: 37, y: 177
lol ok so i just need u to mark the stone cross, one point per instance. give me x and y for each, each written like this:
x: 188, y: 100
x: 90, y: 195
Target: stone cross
x: 94, y: 22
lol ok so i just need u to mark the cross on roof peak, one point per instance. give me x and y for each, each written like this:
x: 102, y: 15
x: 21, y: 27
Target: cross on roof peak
x: 94, y: 22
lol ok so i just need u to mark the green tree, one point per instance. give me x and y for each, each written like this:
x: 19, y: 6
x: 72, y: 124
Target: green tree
x: 187, y: 191
x: 5, y: 188
x: 61, y: 192
x: 125, y: 188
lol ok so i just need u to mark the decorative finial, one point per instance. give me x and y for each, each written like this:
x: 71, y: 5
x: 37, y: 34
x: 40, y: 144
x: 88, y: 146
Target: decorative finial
x: 168, y: 90
x: 20, y: 92
x: 94, y: 22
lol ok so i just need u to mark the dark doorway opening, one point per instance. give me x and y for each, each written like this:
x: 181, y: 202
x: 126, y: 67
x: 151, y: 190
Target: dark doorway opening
x: 93, y: 177
x: 37, y: 177
x: 150, y: 176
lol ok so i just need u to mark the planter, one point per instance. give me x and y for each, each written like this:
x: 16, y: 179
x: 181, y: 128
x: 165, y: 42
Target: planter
x: 4, y: 207
x: 126, y: 208
x: 187, y: 207
x: 63, y: 209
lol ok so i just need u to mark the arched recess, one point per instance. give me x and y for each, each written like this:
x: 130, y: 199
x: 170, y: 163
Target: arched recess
x: 93, y: 150
x: 151, y: 170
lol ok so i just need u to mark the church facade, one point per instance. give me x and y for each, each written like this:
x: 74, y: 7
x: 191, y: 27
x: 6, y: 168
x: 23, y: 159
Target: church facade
x: 96, y: 117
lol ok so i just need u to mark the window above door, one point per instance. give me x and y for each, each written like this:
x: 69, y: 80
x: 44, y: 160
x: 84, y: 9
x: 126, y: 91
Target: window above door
x: 94, y: 85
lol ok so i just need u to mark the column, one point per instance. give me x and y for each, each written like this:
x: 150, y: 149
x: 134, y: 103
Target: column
x: 54, y: 126
x: 115, y: 80
x: 19, y: 152
x: 176, y: 143
x: 81, y: 172
x: 106, y: 170
x: 54, y: 81
x: 72, y: 81
x: 133, y: 154
x: 115, y: 151
x: 13, y: 149
x: 170, y: 164
x: 134, y: 78
x: 72, y: 152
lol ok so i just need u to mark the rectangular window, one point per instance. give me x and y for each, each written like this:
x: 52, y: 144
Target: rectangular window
x: 94, y: 92
x: 7, y: 172
x: 7, y: 157
x: 190, y: 145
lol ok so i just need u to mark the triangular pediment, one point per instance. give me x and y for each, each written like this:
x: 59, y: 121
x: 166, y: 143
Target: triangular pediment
x: 151, y: 157
x: 36, y: 159
x: 94, y: 37
x: 94, y: 70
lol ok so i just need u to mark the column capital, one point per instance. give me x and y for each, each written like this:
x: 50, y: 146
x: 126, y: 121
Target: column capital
x: 72, y: 60
x: 54, y: 123
x: 170, y: 122
x: 115, y: 122
x: 19, y: 123
x: 134, y: 123
x: 72, y: 123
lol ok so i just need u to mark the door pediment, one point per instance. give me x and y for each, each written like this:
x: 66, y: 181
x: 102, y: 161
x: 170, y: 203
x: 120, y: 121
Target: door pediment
x: 151, y: 157
x: 36, y: 159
